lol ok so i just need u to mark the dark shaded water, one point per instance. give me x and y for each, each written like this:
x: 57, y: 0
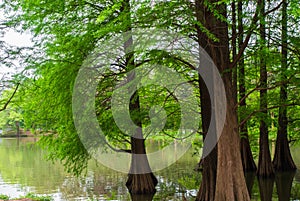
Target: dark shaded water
x: 23, y: 169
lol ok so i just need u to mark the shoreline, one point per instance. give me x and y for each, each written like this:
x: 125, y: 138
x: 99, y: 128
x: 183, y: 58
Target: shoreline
x: 15, y: 136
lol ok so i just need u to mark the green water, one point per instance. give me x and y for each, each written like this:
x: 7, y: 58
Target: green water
x: 23, y: 169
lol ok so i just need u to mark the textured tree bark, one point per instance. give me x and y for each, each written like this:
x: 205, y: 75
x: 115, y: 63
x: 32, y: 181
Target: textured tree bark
x: 209, y: 164
x: 234, y: 49
x: 230, y: 180
x: 283, y: 160
x: 230, y: 183
x: 140, y: 183
x: 246, y: 153
x: 247, y: 157
x: 208, y: 184
x: 265, y: 167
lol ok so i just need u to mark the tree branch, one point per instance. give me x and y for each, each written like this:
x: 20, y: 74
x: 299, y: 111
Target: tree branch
x: 250, y: 31
x: 263, y: 110
x: 258, y: 88
x: 11, y: 97
x: 95, y: 6
x: 117, y: 150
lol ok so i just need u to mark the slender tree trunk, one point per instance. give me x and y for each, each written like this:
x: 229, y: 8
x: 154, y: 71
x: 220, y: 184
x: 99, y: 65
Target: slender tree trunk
x: 140, y: 180
x: 247, y: 157
x: 265, y: 167
x: 234, y: 48
x: 230, y: 180
x: 283, y: 160
x: 18, y: 128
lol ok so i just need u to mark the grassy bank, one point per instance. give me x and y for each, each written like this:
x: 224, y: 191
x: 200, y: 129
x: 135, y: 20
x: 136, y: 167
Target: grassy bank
x: 13, y: 135
x: 28, y: 197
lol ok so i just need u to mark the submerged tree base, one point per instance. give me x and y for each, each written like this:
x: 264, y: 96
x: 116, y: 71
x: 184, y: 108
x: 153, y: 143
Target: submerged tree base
x: 247, y: 158
x: 283, y: 161
x: 141, y: 183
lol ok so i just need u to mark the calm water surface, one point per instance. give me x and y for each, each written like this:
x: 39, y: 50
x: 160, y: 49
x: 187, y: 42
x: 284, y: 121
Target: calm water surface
x: 23, y: 170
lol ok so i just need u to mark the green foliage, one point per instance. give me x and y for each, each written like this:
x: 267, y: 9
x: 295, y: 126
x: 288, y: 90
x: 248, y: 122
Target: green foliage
x: 38, y: 197
x: 4, y: 197
x: 66, y: 32
x: 31, y: 196
x: 66, y: 42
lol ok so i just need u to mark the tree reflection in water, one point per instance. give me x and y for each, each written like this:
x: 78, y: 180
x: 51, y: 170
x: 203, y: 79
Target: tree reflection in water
x: 266, y: 188
x: 284, y: 181
x: 25, y: 166
x: 136, y: 197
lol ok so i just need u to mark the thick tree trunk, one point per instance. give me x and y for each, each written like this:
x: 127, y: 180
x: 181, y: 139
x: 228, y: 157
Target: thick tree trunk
x: 283, y: 160
x: 247, y: 157
x: 209, y: 164
x: 138, y: 183
x: 230, y: 183
x: 230, y: 180
x: 265, y: 167
x: 208, y: 184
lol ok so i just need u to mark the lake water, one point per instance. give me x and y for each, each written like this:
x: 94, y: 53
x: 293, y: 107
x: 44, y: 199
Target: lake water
x: 23, y: 170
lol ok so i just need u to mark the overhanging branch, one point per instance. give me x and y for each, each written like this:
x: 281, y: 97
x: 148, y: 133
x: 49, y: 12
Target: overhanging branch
x: 11, y: 97
x: 250, y: 31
